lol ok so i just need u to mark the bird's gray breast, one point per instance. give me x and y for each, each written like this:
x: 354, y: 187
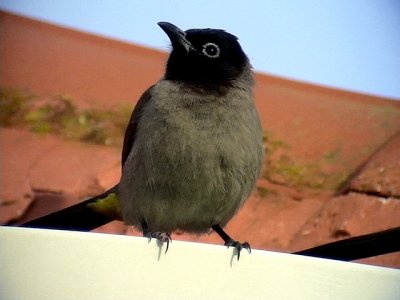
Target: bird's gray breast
x: 195, y: 159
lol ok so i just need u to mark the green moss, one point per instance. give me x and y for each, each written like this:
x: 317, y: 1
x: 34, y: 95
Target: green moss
x: 59, y: 115
x: 14, y: 105
x: 273, y: 144
x: 282, y: 168
x: 333, y: 156
x: 262, y: 191
x: 308, y: 175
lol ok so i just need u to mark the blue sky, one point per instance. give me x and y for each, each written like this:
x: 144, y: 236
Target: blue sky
x: 354, y: 44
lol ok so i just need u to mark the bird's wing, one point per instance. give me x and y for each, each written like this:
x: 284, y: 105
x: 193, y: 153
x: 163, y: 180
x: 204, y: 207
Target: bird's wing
x: 81, y: 216
x: 130, y: 132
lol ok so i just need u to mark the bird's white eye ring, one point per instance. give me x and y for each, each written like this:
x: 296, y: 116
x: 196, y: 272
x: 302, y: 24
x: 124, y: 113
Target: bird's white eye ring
x: 211, y: 50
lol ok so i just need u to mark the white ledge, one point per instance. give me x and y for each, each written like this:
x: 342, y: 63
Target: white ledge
x: 55, y: 264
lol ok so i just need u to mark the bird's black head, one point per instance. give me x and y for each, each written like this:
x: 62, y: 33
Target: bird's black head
x: 204, y: 56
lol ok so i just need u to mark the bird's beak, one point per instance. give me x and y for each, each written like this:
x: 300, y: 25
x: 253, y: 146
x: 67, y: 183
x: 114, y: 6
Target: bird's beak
x: 177, y: 36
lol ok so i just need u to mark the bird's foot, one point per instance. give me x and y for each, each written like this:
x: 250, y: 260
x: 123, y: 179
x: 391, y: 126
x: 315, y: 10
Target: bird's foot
x: 238, y: 246
x: 229, y: 241
x: 162, y: 237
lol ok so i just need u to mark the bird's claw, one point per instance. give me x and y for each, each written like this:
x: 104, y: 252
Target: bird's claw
x: 163, y: 237
x: 238, y: 246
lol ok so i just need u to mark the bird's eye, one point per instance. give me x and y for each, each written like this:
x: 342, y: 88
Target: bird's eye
x: 211, y: 50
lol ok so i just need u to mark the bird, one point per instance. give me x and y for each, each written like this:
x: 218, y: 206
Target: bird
x: 193, y: 148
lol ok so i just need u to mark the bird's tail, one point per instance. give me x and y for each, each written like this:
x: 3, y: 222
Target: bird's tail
x: 79, y: 217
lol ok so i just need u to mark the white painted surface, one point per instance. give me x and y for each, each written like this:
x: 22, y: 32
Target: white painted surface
x: 51, y: 264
